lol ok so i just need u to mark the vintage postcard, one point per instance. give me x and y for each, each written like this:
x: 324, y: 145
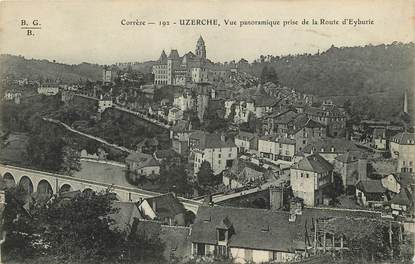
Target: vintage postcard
x: 207, y: 131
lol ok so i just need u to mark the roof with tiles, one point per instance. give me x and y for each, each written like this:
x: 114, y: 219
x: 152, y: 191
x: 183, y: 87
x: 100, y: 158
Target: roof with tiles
x: 207, y: 140
x: 142, y: 159
x: 278, y: 138
x: 335, y: 145
x: 181, y: 126
x: 125, y: 214
x: 175, y: 239
x: 167, y: 205
x: 302, y: 121
x: 404, y: 197
x: 370, y: 186
x: 328, y: 111
x: 315, y: 163
x: 285, y: 117
x: 243, y: 135
x: 404, y: 138
x: 350, y: 156
x: 262, y: 229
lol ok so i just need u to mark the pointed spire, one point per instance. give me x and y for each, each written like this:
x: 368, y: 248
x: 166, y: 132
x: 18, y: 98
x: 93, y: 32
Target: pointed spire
x: 200, y: 40
x: 163, y: 56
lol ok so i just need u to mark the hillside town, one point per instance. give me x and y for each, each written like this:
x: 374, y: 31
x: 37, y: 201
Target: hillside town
x: 216, y: 163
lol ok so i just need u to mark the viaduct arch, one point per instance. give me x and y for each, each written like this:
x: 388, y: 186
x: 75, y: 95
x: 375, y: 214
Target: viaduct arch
x: 46, y: 184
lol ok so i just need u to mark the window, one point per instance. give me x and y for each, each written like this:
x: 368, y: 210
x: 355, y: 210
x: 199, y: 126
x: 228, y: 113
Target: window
x: 219, y: 156
x: 221, y: 251
x: 230, y: 155
x: 221, y: 235
x: 302, y: 175
x: 306, y: 175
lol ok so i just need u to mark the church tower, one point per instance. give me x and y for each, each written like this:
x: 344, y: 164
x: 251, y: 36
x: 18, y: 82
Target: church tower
x: 201, y: 48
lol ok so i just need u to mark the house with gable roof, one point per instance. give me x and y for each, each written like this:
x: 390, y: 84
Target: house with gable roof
x: 309, y: 177
x: 165, y: 208
x: 371, y: 193
x: 250, y: 235
x: 328, y: 148
x: 213, y: 148
x: 142, y: 164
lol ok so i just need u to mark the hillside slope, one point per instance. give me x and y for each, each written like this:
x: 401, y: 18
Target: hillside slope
x: 374, y: 77
x: 20, y: 67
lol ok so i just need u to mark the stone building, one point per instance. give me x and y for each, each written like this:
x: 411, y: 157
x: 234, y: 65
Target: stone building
x: 402, y: 148
x: 309, y: 177
x: 189, y: 68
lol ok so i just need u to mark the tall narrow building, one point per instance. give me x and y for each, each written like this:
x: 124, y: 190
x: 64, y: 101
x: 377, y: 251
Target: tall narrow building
x: 201, y: 48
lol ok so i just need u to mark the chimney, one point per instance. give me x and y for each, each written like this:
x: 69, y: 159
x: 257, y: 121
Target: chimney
x: 223, y: 137
x: 276, y: 197
x: 154, y: 206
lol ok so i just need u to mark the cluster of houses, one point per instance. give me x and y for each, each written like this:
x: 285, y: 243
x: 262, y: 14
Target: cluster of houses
x: 247, y: 235
x: 282, y: 141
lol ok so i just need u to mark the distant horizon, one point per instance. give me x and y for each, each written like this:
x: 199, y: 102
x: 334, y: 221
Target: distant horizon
x: 181, y: 54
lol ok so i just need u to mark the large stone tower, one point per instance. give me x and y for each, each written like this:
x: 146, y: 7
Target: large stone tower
x: 201, y: 48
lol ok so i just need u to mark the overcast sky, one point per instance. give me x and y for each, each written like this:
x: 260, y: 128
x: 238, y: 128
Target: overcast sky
x: 75, y: 31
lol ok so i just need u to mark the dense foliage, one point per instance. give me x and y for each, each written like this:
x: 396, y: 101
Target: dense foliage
x: 72, y: 230
x: 205, y: 174
x: 44, y: 70
x: 372, y: 77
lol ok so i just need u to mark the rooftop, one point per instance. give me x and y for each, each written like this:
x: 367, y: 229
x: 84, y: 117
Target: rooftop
x: 336, y: 145
x: 371, y: 186
x: 315, y: 163
x: 210, y: 140
x: 350, y: 156
x: 263, y: 229
x: 404, y: 138
x: 142, y: 159
x: 167, y: 205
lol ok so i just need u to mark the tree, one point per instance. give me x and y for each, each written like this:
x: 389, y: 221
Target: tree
x: 73, y: 230
x: 174, y: 178
x: 268, y: 74
x: 70, y: 161
x: 336, y: 188
x: 47, y: 151
x: 205, y: 174
x: 231, y: 115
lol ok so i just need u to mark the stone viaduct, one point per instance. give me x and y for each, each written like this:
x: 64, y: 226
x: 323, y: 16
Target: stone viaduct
x: 50, y: 183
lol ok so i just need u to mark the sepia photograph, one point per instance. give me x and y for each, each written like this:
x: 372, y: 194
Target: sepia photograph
x: 207, y: 132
